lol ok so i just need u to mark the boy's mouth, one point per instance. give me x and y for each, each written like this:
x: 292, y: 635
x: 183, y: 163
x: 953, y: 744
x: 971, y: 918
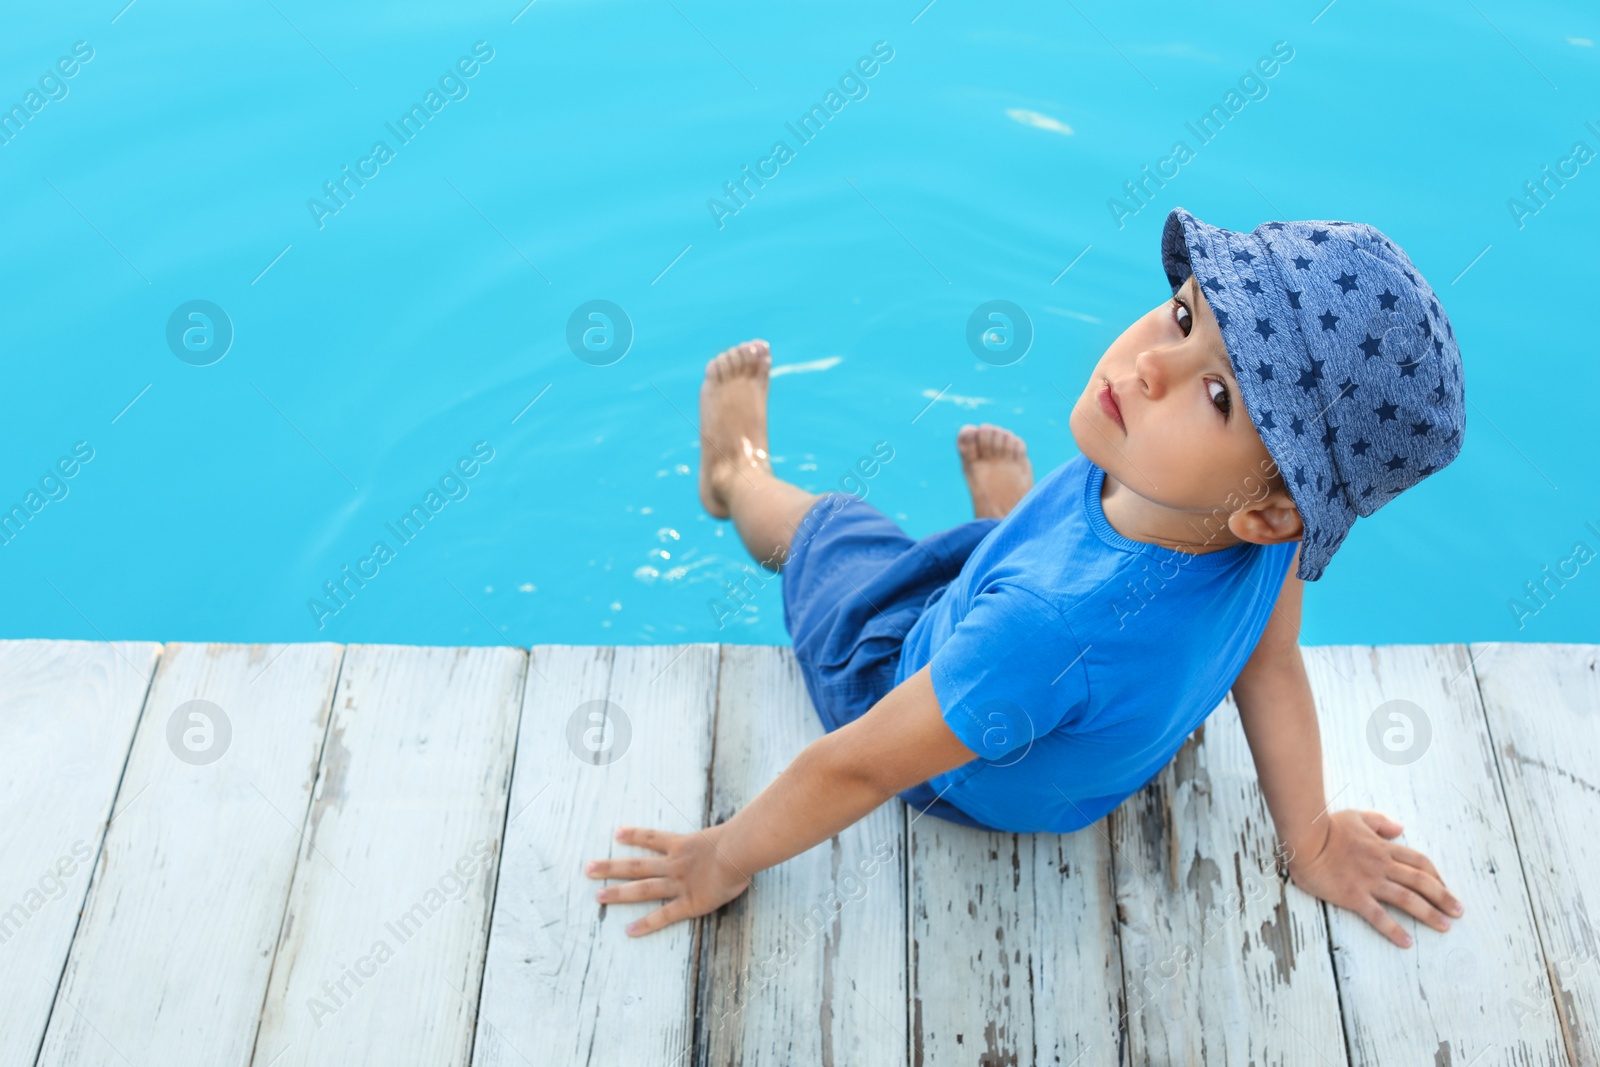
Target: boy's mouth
x: 1108, y: 404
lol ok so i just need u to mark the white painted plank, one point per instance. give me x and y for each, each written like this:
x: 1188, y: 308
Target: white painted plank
x: 383, y: 938
x: 1428, y: 765
x: 175, y: 943
x: 1078, y: 1005
x: 67, y: 715
x: 1543, y: 703
x: 809, y: 965
x: 1014, y: 953
x: 1224, y: 961
x: 563, y: 983
x: 970, y: 929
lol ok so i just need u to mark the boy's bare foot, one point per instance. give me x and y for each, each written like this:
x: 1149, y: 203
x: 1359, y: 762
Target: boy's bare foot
x: 733, y: 421
x: 995, y: 463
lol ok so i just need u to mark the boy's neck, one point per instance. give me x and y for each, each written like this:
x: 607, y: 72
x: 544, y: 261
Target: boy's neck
x: 1140, y: 519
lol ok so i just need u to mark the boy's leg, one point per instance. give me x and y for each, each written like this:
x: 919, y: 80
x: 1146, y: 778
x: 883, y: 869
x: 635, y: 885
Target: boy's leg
x: 736, y: 479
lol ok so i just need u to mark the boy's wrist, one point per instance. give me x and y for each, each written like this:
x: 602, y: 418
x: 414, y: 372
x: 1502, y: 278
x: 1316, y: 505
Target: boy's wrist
x: 1307, y: 844
x: 730, y: 869
x: 724, y: 841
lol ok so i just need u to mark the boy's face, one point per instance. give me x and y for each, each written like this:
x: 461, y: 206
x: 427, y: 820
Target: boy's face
x: 1181, y: 436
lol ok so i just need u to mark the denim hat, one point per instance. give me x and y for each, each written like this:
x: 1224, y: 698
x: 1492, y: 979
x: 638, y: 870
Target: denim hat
x: 1348, y: 365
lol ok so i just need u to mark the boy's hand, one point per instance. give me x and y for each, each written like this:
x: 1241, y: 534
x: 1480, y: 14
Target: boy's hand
x: 1359, y: 868
x: 834, y: 782
x: 691, y: 874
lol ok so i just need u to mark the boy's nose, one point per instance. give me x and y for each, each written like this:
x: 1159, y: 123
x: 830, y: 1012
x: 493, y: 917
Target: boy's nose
x: 1161, y: 367
x: 1154, y: 368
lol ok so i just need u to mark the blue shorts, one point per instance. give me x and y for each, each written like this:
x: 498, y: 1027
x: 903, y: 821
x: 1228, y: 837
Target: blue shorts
x: 853, y: 585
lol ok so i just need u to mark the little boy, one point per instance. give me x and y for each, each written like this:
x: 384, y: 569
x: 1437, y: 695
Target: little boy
x: 1029, y: 670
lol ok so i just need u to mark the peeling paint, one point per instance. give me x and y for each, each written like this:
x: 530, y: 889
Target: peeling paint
x: 993, y: 1055
x: 1205, y: 877
x: 335, y: 766
x: 1277, y: 934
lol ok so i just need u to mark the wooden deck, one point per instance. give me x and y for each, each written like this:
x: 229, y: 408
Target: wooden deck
x: 374, y: 856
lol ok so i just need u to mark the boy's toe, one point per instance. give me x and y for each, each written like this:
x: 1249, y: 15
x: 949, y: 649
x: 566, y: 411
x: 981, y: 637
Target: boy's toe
x: 718, y: 365
x: 967, y: 441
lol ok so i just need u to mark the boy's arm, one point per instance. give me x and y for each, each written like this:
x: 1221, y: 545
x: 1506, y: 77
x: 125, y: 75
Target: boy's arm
x: 1343, y: 857
x: 832, y: 783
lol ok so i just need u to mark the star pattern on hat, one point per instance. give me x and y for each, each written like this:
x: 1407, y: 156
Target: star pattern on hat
x: 1311, y: 375
x: 1304, y: 305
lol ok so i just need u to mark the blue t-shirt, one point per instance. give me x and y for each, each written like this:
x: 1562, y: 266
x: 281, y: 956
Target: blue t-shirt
x: 1076, y: 661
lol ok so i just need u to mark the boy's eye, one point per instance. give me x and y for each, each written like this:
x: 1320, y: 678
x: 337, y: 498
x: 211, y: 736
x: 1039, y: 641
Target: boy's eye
x: 1182, y: 316
x: 1219, y: 397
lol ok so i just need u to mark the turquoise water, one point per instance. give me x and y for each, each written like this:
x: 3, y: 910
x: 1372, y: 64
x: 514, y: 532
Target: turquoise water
x: 372, y: 343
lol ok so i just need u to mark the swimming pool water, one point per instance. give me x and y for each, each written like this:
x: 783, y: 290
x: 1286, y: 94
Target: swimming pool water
x: 284, y: 283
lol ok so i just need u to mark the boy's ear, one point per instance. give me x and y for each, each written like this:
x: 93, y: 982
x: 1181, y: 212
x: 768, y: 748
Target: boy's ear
x: 1271, y: 520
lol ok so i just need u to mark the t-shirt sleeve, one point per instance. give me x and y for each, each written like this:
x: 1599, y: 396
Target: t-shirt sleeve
x: 1011, y: 671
